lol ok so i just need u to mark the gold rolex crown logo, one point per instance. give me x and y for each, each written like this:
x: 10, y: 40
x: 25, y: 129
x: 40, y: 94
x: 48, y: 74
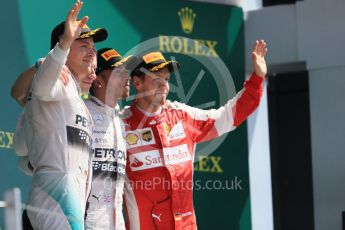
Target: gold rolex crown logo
x: 187, y: 18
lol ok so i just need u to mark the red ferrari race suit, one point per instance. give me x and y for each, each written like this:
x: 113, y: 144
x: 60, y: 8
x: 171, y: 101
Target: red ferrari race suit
x: 160, y: 148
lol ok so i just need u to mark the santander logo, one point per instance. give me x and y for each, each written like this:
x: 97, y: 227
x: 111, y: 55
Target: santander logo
x: 145, y: 160
x: 136, y: 163
x: 176, y: 154
x: 154, y: 159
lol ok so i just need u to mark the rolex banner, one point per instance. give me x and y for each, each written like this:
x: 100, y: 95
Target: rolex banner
x: 206, y: 39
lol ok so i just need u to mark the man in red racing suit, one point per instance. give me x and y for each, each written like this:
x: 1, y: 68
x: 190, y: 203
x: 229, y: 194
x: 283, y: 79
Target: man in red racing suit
x: 161, y: 138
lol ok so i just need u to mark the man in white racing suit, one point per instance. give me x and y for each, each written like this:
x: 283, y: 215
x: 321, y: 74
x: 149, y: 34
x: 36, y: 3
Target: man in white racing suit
x: 104, y: 205
x: 56, y: 134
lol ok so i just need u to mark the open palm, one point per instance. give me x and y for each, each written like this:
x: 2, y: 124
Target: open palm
x: 258, y: 58
x: 73, y: 26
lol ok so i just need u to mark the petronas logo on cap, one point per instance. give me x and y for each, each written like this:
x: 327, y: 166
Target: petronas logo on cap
x: 187, y: 18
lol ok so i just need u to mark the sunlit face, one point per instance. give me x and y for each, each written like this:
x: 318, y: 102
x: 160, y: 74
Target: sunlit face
x: 81, y: 57
x: 117, y: 82
x: 87, y: 79
x: 155, y: 87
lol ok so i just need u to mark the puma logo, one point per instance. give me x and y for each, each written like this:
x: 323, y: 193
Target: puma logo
x: 157, y: 217
x: 97, y: 197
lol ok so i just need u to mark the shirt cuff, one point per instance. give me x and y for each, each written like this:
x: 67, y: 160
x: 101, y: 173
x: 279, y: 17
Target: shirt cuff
x: 59, y: 55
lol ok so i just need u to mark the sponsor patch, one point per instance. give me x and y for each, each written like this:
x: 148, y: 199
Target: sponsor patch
x: 179, y: 216
x: 167, y: 128
x: 132, y: 139
x: 153, y: 122
x: 145, y: 160
x: 79, y: 119
x: 101, y: 167
x: 99, y: 131
x: 153, y: 159
x: 146, y: 135
x: 177, y: 132
x: 101, y: 140
x: 136, y: 163
x: 98, y: 118
x: 108, y: 154
x: 140, y: 137
x: 176, y: 155
x: 102, y: 198
x: 110, y: 54
x: 78, y: 137
x: 152, y: 57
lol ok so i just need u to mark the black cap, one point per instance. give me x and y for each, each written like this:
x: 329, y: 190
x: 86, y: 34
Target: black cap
x: 108, y: 58
x: 154, y: 62
x: 98, y: 34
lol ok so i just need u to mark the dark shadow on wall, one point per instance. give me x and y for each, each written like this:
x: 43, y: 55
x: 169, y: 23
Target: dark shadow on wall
x: 290, y: 146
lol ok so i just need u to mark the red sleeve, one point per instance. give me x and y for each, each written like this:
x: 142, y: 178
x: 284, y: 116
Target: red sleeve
x: 249, y: 99
x: 204, y: 125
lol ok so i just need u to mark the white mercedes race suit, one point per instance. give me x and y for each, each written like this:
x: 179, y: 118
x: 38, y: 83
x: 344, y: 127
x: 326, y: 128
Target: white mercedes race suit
x: 56, y: 141
x: 104, y: 205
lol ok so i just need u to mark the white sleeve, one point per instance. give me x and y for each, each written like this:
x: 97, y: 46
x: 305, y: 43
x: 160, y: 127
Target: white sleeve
x: 46, y: 85
x: 19, y: 141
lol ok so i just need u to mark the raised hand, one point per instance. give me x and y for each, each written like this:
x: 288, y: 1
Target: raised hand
x: 73, y: 26
x: 258, y: 58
